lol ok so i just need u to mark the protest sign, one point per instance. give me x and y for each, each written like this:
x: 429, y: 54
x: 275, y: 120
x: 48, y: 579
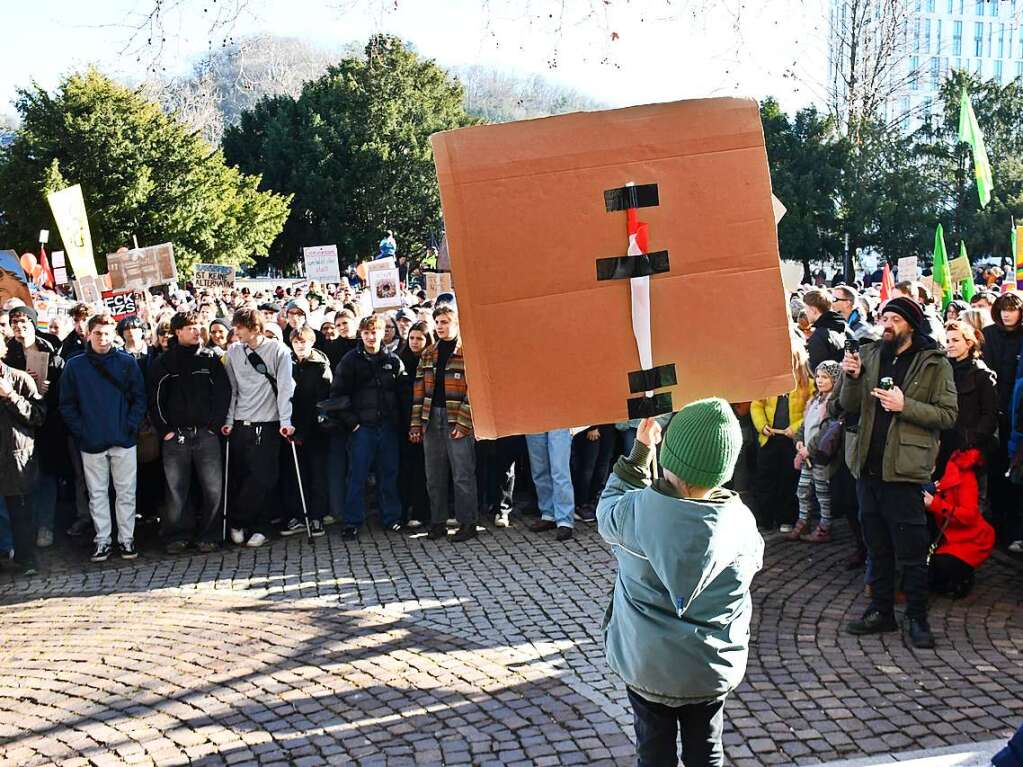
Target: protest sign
x: 791, y: 275
x: 384, y: 289
x: 59, y: 270
x: 908, y: 268
x: 142, y: 268
x: 89, y: 289
x: 120, y: 303
x: 13, y: 280
x: 68, y: 208
x: 321, y: 263
x: 513, y: 194
x: 960, y: 269
x: 213, y: 276
x: 928, y: 283
x: 437, y: 283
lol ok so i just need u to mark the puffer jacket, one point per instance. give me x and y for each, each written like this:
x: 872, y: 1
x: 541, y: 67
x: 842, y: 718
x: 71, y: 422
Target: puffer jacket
x: 21, y: 414
x: 1001, y: 354
x: 911, y: 445
x: 827, y: 342
x: 968, y: 537
x: 312, y: 384
x: 188, y: 388
x: 370, y: 389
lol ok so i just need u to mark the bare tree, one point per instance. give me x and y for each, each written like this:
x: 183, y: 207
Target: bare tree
x: 498, y: 96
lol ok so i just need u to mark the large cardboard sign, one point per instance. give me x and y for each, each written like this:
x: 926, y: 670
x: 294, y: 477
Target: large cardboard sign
x: 142, y: 268
x: 538, y: 229
x: 68, y: 208
x: 13, y: 280
x: 437, y: 283
x: 384, y: 289
x: 321, y: 263
x: 213, y: 276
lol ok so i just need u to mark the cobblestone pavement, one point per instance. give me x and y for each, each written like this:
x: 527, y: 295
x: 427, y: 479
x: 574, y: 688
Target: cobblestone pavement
x: 395, y: 650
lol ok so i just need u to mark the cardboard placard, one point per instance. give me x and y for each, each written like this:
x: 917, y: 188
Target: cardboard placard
x: 384, y: 290
x: 513, y: 194
x: 68, y: 208
x: 213, y: 276
x: 791, y: 275
x: 89, y: 289
x: 321, y: 263
x: 908, y: 268
x: 928, y: 283
x: 120, y: 303
x: 37, y: 363
x: 13, y: 281
x: 142, y: 268
x: 437, y: 283
x: 960, y: 269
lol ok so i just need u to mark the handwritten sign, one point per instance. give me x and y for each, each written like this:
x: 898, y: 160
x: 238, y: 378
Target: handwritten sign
x: 321, y: 263
x: 213, y: 276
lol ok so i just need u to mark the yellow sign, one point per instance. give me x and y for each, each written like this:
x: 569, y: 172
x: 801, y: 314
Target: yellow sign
x: 68, y: 208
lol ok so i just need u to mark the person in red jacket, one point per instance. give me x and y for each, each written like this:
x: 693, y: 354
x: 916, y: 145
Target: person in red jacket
x: 966, y: 539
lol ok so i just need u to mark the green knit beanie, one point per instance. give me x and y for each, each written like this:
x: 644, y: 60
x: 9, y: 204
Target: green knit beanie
x: 703, y: 443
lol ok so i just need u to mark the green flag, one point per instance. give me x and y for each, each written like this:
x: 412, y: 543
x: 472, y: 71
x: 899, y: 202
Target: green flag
x: 971, y: 133
x: 940, y: 271
x: 968, y: 288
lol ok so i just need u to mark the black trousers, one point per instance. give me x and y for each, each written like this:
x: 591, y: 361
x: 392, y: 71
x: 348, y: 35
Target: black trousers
x: 895, y: 531
x: 776, y: 481
x: 415, y: 499
x: 253, y: 467
x: 495, y: 472
x: 950, y: 576
x: 844, y: 502
x: 658, y: 727
x: 591, y: 464
x: 1003, y: 495
x: 312, y: 461
x: 23, y: 528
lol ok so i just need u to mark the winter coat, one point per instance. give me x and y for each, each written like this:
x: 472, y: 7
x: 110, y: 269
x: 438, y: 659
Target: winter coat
x: 188, y: 388
x: 931, y: 406
x: 827, y: 341
x: 20, y: 415
x: 1001, y: 354
x: 1012, y: 754
x: 968, y: 537
x: 817, y: 419
x: 51, y: 437
x: 73, y: 345
x: 338, y: 348
x: 977, y: 394
x: 312, y: 384
x: 96, y: 412
x: 762, y: 411
x: 678, y: 627
x: 860, y: 330
x: 372, y: 387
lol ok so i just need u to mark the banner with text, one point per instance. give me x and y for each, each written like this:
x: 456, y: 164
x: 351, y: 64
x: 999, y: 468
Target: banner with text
x: 321, y: 263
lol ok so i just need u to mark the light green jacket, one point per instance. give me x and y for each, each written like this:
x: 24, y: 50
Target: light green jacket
x: 678, y: 627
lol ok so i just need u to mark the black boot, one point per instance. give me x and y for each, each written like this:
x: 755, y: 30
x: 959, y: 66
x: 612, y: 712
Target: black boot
x: 920, y: 634
x: 872, y: 622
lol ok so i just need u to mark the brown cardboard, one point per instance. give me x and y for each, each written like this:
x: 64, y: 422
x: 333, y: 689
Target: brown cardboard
x: 549, y: 346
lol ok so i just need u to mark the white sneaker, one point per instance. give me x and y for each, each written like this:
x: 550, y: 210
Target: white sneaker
x: 414, y: 524
x: 501, y: 519
x: 257, y: 540
x: 785, y: 529
x: 237, y: 536
x: 1016, y: 547
x: 44, y: 539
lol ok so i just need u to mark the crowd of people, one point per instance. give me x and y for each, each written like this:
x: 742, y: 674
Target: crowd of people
x: 226, y: 415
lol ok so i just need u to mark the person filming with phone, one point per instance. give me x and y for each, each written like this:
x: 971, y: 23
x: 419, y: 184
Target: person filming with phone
x: 904, y: 392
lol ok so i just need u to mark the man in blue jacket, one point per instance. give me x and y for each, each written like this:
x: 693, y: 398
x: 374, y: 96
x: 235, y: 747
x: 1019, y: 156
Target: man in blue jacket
x: 678, y: 627
x: 103, y: 401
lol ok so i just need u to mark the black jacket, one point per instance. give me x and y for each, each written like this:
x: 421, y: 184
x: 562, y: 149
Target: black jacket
x: 72, y: 346
x: 977, y: 422
x: 51, y: 437
x: 312, y: 384
x: 373, y: 389
x: 188, y: 388
x: 827, y: 342
x: 337, y: 349
x: 1001, y: 354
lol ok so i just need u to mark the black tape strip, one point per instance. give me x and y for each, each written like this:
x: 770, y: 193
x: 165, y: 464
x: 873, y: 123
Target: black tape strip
x: 652, y: 378
x: 624, y: 197
x: 648, y: 407
x: 626, y: 267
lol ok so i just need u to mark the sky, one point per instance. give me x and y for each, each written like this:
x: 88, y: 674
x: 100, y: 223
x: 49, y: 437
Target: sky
x: 619, y: 52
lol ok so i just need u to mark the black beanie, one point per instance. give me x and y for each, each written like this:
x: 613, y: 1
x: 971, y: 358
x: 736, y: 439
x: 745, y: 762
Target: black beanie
x: 908, y: 309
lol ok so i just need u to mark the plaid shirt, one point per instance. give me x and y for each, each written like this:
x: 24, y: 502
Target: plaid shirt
x: 456, y: 390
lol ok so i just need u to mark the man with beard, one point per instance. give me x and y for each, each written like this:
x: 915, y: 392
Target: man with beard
x: 905, y: 395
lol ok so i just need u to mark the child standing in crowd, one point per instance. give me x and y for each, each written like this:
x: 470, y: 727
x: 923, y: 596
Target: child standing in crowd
x: 816, y: 464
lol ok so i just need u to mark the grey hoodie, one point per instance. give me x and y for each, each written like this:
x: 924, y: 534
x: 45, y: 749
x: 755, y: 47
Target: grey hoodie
x: 252, y: 397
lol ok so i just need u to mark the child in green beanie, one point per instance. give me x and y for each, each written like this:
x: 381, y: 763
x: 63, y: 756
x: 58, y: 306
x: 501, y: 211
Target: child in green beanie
x: 677, y: 629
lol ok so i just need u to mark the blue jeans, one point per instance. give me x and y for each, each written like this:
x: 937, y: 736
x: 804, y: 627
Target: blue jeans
x: 550, y: 458
x: 6, y: 537
x: 337, y: 473
x: 373, y: 446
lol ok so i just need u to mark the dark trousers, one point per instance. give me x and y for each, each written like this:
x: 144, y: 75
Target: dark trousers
x: 255, y: 452
x: 495, y: 472
x: 188, y: 449
x: 23, y: 528
x: 844, y: 502
x: 950, y: 576
x: 312, y: 462
x: 415, y: 501
x: 337, y: 473
x: 775, y: 486
x: 373, y: 447
x: 1004, y: 496
x: 658, y: 727
x: 895, y: 530
x: 591, y: 464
